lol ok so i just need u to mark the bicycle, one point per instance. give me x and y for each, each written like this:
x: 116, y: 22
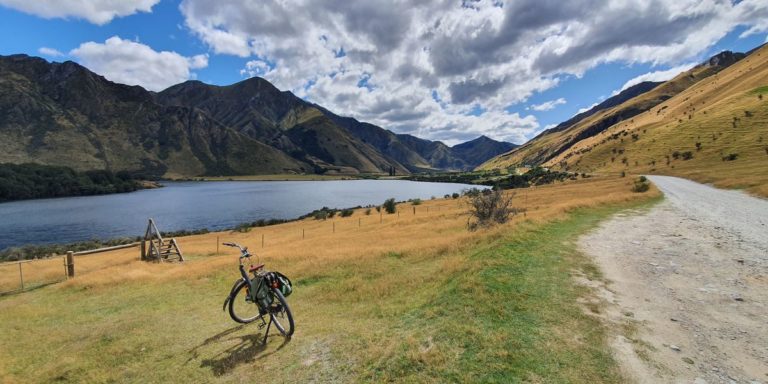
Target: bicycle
x: 252, y: 299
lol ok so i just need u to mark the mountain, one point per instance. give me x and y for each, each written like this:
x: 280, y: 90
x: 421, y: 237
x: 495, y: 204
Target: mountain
x: 256, y: 108
x: 620, y: 108
x: 64, y: 114
x: 476, y: 151
x: 712, y: 126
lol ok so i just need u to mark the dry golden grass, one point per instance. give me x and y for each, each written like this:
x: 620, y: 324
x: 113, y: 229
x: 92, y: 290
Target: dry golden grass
x: 704, y: 113
x: 439, y: 226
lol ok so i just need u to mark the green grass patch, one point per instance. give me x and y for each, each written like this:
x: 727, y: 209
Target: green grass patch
x: 512, y: 316
x: 760, y: 90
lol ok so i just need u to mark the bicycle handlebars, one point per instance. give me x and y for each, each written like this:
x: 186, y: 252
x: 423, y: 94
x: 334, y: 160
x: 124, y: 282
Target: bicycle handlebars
x: 243, y: 250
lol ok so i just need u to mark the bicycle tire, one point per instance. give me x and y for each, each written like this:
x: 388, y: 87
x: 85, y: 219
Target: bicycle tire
x: 281, y: 313
x: 242, y: 310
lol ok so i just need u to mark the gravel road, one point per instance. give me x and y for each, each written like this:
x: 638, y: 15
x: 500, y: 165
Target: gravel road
x: 687, y: 285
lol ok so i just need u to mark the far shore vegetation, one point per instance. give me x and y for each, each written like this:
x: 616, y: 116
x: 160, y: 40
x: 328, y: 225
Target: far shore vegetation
x: 37, y: 181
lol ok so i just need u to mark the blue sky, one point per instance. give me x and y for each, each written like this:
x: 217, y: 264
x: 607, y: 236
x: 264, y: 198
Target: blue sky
x: 439, y: 71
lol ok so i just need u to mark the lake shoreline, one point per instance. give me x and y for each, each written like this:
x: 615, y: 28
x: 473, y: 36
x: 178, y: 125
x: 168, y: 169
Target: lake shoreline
x: 183, y: 208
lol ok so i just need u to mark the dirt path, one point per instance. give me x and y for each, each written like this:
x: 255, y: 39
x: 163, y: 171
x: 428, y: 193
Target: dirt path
x: 687, y: 285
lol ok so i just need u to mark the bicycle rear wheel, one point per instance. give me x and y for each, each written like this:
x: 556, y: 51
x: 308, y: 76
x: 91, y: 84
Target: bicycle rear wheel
x: 281, y: 314
x: 241, y: 308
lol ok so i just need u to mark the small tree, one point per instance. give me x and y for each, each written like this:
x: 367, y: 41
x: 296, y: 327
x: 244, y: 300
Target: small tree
x: 489, y: 208
x: 390, y: 206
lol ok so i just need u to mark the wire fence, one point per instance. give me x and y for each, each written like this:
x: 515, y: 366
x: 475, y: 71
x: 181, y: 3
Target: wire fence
x: 18, y: 276
x: 25, y: 275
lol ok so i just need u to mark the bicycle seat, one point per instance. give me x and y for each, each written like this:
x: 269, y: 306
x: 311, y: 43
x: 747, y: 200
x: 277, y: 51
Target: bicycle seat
x: 256, y: 268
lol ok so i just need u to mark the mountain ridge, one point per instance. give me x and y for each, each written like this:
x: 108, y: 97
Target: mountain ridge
x: 64, y: 114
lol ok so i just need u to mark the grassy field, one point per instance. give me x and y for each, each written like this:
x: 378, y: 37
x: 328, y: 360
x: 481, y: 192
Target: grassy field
x: 408, y: 298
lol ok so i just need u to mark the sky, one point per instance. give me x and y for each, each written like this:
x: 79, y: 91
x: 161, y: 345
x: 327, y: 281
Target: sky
x: 440, y: 70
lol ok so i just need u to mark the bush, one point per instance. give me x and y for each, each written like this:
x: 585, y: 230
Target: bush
x: 731, y: 157
x: 416, y: 201
x: 455, y: 195
x: 687, y: 155
x: 641, y: 185
x: 243, y: 228
x: 472, y: 192
x: 447, y: 196
x: 378, y: 208
x: 368, y: 212
x: 347, y: 212
x: 390, y: 206
x: 488, y: 209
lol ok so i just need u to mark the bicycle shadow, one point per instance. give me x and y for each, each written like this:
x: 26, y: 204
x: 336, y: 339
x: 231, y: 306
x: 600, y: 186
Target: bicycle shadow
x: 249, y: 349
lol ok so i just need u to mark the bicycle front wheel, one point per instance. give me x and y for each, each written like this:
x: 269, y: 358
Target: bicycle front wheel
x: 281, y: 314
x: 241, y: 308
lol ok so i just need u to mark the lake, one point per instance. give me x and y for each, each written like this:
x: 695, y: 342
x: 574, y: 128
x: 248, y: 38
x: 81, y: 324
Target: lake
x: 193, y: 205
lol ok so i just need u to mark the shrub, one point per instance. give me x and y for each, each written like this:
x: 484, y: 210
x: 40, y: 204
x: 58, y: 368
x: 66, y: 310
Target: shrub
x: 471, y: 192
x: 731, y: 157
x: 698, y: 146
x: 676, y: 155
x: 489, y: 208
x: 368, y: 212
x: 447, y: 196
x: 347, y: 212
x: 623, y: 174
x: 641, y: 185
x: 687, y: 155
x: 455, y: 195
x: 390, y: 206
x: 243, y: 228
x: 378, y: 208
x: 416, y: 201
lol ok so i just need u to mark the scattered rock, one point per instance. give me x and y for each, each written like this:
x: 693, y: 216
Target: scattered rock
x: 674, y: 348
x: 737, y: 297
x: 688, y: 360
x: 673, y: 319
x: 629, y: 314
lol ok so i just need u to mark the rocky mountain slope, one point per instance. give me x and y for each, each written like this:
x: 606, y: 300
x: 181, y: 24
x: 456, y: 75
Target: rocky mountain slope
x: 64, y: 114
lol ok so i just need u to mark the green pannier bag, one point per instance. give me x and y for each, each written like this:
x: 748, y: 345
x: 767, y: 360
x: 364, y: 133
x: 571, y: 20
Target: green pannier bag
x: 285, y: 286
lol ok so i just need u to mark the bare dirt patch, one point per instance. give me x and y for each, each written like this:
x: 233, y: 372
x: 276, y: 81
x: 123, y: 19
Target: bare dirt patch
x: 687, y: 285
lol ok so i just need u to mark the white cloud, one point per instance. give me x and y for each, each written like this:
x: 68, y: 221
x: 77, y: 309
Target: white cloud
x: 50, y: 52
x: 422, y: 67
x: 96, y: 11
x: 582, y: 110
x: 133, y: 63
x: 656, y: 76
x: 548, y: 105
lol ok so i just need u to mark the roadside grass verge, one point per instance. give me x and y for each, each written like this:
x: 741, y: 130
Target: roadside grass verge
x: 416, y: 298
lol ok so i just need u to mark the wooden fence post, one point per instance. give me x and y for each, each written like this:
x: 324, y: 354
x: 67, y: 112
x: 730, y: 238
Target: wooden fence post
x: 262, y: 240
x: 302, y: 233
x: 70, y: 264
x: 414, y: 210
x: 21, y: 277
x: 334, y: 227
x: 217, y: 245
x: 143, y: 250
